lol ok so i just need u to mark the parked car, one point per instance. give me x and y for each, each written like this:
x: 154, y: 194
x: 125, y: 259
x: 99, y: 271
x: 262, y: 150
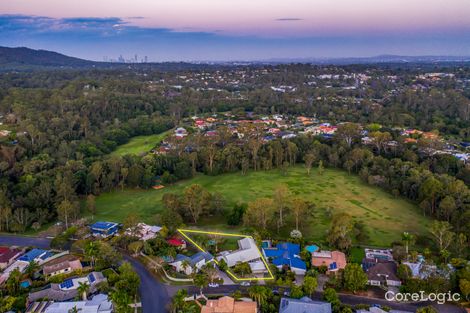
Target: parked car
x: 213, y: 285
x: 245, y: 283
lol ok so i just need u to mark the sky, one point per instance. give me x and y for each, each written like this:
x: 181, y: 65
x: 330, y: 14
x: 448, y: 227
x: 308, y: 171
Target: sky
x: 244, y: 30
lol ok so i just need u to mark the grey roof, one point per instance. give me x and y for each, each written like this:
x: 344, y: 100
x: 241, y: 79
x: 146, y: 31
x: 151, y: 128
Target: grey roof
x: 303, y: 305
x: 55, y: 293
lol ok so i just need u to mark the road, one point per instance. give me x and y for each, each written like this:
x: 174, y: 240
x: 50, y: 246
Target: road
x: 23, y: 241
x: 154, y: 295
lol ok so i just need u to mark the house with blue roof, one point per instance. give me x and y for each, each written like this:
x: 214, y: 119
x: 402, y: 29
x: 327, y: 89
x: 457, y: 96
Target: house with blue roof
x: 104, y: 229
x: 286, y: 254
x: 34, y: 254
x: 189, y: 265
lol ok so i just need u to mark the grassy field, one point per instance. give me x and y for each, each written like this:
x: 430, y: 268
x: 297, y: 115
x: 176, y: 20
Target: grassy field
x: 140, y: 144
x: 334, y: 191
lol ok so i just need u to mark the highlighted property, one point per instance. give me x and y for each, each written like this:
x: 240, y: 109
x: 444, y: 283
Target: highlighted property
x: 248, y: 251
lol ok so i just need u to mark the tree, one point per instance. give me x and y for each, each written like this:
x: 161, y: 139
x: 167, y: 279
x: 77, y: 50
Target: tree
x: 242, y: 268
x: 92, y: 251
x: 178, y: 302
x: 427, y: 309
x: 447, y: 207
x: 130, y: 223
x: 309, y: 159
x: 299, y: 209
x: 354, y: 277
x: 348, y: 132
x: 64, y: 211
x: 404, y: 272
x: 281, y: 194
x: 201, y: 281
x: 259, y: 213
x: 136, y: 247
x: 195, y: 199
x: 442, y: 234
x: 32, y: 268
x: 185, y: 264
x: 330, y: 295
x: 13, y: 282
x: 83, y: 289
x: 407, y: 238
x: 258, y: 293
x: 339, y: 234
x: 464, y: 286
x: 309, y: 285
x: 91, y: 205
x: 211, y: 272
x: 430, y: 190
x: 321, y: 169
x: 296, y: 292
x: 222, y: 265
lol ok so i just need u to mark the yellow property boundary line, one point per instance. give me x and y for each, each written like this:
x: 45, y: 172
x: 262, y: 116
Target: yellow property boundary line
x: 183, y: 231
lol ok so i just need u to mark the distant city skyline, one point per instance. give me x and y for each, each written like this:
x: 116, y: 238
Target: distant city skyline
x: 205, y: 30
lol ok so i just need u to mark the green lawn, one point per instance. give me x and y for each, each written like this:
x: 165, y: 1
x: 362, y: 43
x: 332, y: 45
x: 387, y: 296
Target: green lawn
x: 140, y: 144
x: 335, y: 191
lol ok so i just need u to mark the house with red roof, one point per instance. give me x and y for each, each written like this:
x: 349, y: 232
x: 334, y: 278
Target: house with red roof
x: 175, y: 242
x: 8, y: 256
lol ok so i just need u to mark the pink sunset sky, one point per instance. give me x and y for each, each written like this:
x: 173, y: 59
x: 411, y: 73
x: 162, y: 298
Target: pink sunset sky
x: 265, y: 19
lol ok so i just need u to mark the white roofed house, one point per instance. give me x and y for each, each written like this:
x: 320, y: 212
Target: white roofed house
x: 247, y: 252
x: 144, y: 232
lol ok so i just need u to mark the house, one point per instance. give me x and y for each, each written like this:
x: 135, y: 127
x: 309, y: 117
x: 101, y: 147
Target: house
x: 333, y: 260
x: 180, y: 132
x: 383, y: 274
x: 286, y: 254
x: 5, y: 133
x: 247, y: 252
x: 178, y: 243
x: 144, y: 231
x: 375, y: 256
x: 229, y: 305
x: 8, y: 256
x: 65, y: 264
x: 67, y: 290
x: 104, y: 229
x: 303, y: 305
x: 194, y: 262
x: 98, y: 304
x: 35, y: 255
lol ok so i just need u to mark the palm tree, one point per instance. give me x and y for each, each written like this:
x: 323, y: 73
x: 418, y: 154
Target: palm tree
x: 83, y: 289
x: 178, y: 302
x: 200, y: 281
x: 258, y: 293
x: 184, y: 265
x: 32, y: 268
x: 91, y: 251
x: 407, y: 238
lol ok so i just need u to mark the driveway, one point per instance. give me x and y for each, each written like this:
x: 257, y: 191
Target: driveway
x: 154, y: 295
x: 23, y: 241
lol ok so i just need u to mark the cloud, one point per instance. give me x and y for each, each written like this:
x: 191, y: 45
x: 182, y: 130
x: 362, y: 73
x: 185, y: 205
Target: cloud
x: 288, y: 19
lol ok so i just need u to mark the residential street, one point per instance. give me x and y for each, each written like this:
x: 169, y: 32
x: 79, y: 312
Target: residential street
x: 155, y: 296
